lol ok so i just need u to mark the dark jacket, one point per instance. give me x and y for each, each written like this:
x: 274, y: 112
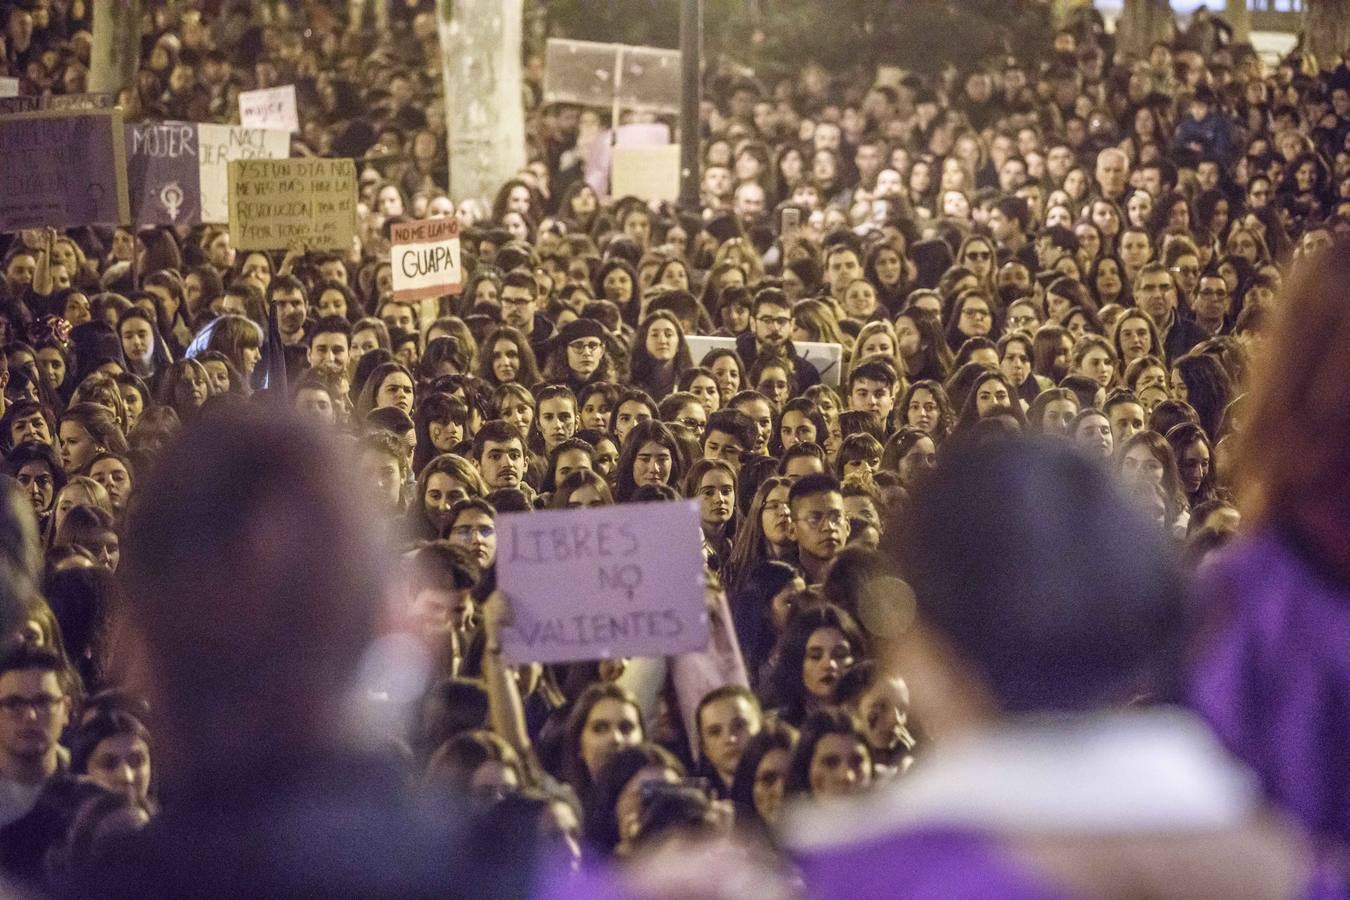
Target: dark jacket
x: 803, y: 373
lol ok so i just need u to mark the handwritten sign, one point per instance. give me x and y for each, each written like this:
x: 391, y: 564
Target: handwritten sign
x: 826, y: 358
x: 164, y: 173
x: 219, y: 145
x: 9, y: 87
x: 425, y: 258
x: 63, y: 169
x: 270, y: 108
x: 276, y: 201
x: 602, y: 582
x: 54, y: 102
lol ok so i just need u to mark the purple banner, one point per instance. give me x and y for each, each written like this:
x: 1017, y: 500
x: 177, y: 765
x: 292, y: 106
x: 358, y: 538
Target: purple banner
x: 164, y: 173
x: 62, y: 170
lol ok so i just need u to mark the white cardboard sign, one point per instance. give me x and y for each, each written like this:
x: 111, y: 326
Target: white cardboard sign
x: 270, y: 108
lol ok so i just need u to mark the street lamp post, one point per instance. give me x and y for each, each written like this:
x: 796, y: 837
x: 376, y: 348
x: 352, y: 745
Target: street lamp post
x: 691, y: 33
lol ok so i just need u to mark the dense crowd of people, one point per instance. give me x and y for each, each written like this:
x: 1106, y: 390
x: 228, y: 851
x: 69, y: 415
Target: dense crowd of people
x: 1077, y: 469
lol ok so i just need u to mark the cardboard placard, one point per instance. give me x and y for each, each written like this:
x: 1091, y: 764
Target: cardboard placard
x: 164, y: 173
x: 602, y: 582
x: 13, y: 103
x: 424, y: 257
x: 217, y: 146
x: 270, y: 108
x: 9, y: 87
x: 63, y: 169
x: 583, y: 72
x: 276, y: 201
x: 649, y: 173
x: 827, y: 358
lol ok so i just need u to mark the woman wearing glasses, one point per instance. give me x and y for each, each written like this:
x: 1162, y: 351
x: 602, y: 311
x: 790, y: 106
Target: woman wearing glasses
x: 580, y: 356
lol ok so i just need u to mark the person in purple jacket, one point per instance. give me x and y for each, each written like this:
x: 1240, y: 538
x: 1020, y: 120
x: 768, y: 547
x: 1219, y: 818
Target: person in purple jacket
x: 1272, y: 674
x: 1049, y: 634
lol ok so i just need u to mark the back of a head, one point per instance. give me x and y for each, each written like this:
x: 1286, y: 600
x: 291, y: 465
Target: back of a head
x: 1042, y: 577
x: 255, y: 582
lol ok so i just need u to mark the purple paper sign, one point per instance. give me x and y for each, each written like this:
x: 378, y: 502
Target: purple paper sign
x: 164, y: 173
x: 602, y: 582
x: 62, y: 169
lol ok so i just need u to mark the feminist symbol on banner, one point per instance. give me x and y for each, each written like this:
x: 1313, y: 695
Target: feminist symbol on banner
x: 171, y: 198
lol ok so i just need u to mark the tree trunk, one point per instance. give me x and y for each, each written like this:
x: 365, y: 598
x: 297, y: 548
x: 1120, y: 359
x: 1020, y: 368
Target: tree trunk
x: 117, y: 45
x: 1326, y: 25
x: 1239, y: 15
x: 485, y: 114
x: 1141, y: 23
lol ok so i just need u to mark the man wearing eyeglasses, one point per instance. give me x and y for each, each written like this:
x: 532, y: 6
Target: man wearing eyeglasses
x: 819, y: 522
x: 1155, y: 292
x: 771, y: 332
x: 519, y: 298
x: 34, y: 710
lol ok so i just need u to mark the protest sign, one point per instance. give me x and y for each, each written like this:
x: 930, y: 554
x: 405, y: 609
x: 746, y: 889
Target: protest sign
x: 54, y: 102
x: 274, y: 202
x: 63, y: 169
x: 425, y: 258
x: 9, y: 87
x: 827, y: 358
x: 650, y: 173
x: 164, y: 173
x: 218, y: 145
x: 612, y: 76
x: 602, y: 582
x: 270, y: 108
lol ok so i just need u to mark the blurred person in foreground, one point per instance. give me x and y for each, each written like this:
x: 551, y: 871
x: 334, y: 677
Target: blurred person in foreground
x: 1272, y: 671
x: 1041, y: 660
x: 255, y: 589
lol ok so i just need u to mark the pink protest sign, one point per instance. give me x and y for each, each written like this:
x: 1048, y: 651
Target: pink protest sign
x: 602, y: 582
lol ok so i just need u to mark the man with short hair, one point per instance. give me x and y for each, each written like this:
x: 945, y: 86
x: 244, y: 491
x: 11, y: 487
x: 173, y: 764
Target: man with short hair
x: 1008, y: 222
x: 34, y: 710
x: 1136, y: 248
x: 871, y: 387
x: 748, y: 203
x: 728, y: 435
x: 499, y: 454
x: 770, y: 332
x: 398, y: 314
x: 819, y: 522
x: 1211, y: 303
x: 1125, y: 415
x: 1155, y: 292
x: 842, y: 268
x: 290, y: 303
x: 329, y: 345
x: 1113, y: 174
x: 519, y: 298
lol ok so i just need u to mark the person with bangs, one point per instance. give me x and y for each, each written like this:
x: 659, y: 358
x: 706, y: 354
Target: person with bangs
x: 580, y: 356
x: 971, y: 315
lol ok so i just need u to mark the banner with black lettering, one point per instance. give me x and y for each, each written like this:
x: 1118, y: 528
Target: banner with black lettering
x: 425, y: 258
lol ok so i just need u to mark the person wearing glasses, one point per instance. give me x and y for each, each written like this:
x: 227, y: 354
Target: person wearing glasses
x: 34, y: 710
x: 819, y: 522
x: 473, y: 528
x: 519, y: 299
x: 1211, y: 303
x: 771, y: 332
x: 579, y: 357
x: 1155, y: 292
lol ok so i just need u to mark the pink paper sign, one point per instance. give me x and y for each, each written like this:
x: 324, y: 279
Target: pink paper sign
x: 602, y: 582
